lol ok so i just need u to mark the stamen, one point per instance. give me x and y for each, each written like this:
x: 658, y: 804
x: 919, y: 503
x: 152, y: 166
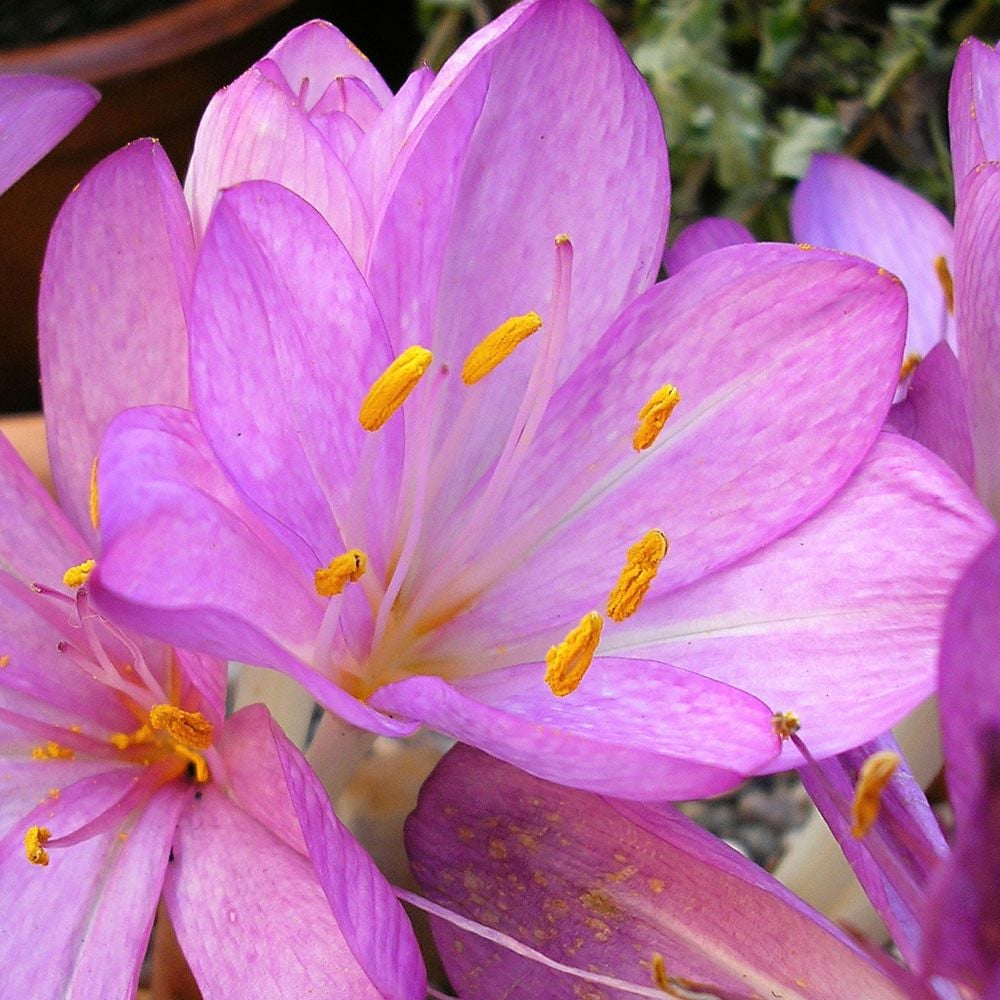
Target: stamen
x: 344, y: 569
x: 33, y: 840
x: 569, y: 661
x: 642, y: 561
x: 947, y: 282
x: 77, y: 576
x: 497, y: 346
x: 190, y: 729
x: 201, y: 774
x: 95, y: 505
x: 390, y: 389
x: 122, y: 741
x: 876, y: 772
x: 654, y: 415
x: 910, y: 363
x: 53, y: 751
x: 785, y: 724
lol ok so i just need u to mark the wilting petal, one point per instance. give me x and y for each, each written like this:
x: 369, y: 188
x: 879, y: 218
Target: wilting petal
x: 934, y: 412
x: 604, y: 885
x: 246, y: 891
x: 35, y: 113
x: 115, y: 287
x: 308, y: 340
x: 977, y: 303
x: 703, y: 237
x: 635, y: 728
x: 973, y: 100
x: 79, y: 927
x: 838, y: 620
x: 847, y: 205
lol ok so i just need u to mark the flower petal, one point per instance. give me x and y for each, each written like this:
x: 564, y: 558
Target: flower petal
x: 35, y: 113
x: 973, y: 98
x: 635, y: 728
x: 846, y: 205
x: 703, y: 237
x: 603, y: 886
x: 115, y: 287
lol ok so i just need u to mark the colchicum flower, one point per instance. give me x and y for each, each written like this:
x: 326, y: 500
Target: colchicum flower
x: 497, y: 483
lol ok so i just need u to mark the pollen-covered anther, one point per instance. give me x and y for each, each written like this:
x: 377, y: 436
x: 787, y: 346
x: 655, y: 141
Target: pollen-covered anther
x: 390, y: 389
x: 642, y: 561
x: 909, y: 365
x: 943, y: 273
x: 654, y: 415
x: 122, y: 741
x: 497, y: 346
x: 785, y: 724
x: 567, y: 662
x: 33, y: 840
x: 343, y: 569
x: 77, y: 576
x: 189, y: 729
x: 875, y: 774
x: 52, y: 751
x: 95, y: 503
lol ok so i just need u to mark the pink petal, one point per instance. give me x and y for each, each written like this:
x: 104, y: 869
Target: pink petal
x: 703, y: 237
x: 634, y: 728
x: 115, y: 287
x: 35, y: 113
x: 972, y: 102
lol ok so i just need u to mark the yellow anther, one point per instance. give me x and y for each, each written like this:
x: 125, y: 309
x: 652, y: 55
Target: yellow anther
x: 344, y: 569
x: 641, y: 564
x: 33, y: 840
x: 562, y: 238
x: 876, y: 772
x: 200, y: 767
x: 52, y: 751
x: 943, y: 273
x: 910, y: 363
x: 568, y: 662
x: 497, y: 346
x: 122, y: 741
x: 189, y: 729
x: 654, y: 415
x: 390, y: 389
x: 95, y: 505
x: 785, y: 724
x: 77, y: 576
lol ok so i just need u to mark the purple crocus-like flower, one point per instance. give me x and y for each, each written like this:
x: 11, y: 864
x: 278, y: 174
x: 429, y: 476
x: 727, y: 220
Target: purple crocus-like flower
x: 669, y: 477
x: 120, y: 780
x: 572, y: 891
x: 36, y: 112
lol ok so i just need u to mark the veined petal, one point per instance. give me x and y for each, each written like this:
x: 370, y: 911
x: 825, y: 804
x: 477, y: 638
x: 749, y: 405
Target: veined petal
x: 246, y: 888
x: 973, y: 98
x: 604, y: 885
x: 35, y: 113
x: 846, y: 205
x: 703, y: 237
x: 635, y: 728
x: 115, y: 288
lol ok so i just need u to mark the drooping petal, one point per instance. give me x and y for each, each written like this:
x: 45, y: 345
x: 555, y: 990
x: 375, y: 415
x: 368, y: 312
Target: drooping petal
x: 977, y: 301
x: 258, y: 889
x: 935, y: 413
x: 635, y: 728
x: 703, y: 237
x: 847, y: 205
x: 79, y: 927
x: 115, y: 289
x: 309, y: 341
x: 35, y: 113
x: 973, y: 98
x: 603, y: 886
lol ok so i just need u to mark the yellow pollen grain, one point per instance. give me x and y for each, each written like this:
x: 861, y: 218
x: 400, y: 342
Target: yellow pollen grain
x: 4, y: 661
x: 642, y: 561
x: 568, y: 662
x: 943, y: 273
x: 390, y: 389
x: 189, y: 729
x: 497, y: 346
x: 785, y: 724
x: 659, y: 969
x: 33, y: 840
x: 654, y: 415
x: 52, y: 751
x: 909, y: 365
x: 77, y: 576
x: 344, y: 569
x: 53, y: 793
x: 876, y: 773
x: 95, y: 504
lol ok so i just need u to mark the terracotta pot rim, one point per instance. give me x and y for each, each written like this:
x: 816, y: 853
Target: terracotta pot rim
x: 149, y: 42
